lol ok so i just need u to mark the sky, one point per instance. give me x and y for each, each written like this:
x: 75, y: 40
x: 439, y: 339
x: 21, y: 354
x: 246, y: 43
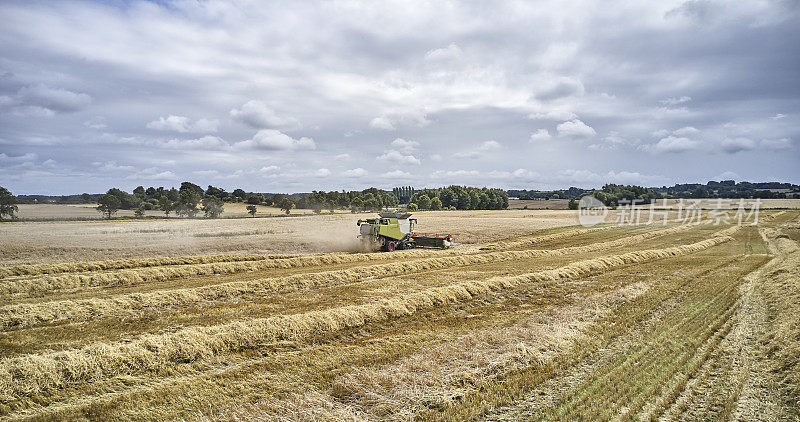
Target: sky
x: 274, y: 96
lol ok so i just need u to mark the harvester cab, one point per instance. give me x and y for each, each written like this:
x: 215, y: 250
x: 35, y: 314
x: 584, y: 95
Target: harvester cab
x: 395, y: 230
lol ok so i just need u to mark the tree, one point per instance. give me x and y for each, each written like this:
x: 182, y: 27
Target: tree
x: 286, y: 205
x: 436, y: 204
x: 8, y: 204
x: 212, y: 207
x: 166, y: 205
x: 187, y: 203
x: 251, y: 209
x: 139, y: 192
x: 126, y: 200
x: 572, y: 204
x: 423, y: 202
x: 356, y: 205
x: 192, y: 187
x: 412, y: 206
x: 255, y: 199
x: 86, y: 198
x: 239, y: 194
x: 108, y: 204
x: 139, y: 212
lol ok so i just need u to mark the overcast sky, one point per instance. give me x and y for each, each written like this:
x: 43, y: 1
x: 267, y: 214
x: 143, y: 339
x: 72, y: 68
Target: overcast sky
x: 293, y: 96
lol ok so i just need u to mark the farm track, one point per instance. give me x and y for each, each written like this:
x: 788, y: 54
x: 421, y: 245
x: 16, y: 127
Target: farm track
x: 106, y: 378
x: 28, y: 315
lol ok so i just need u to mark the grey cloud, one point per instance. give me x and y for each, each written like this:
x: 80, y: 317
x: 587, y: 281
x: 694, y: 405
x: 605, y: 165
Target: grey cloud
x: 560, y: 88
x: 256, y: 114
x: 53, y: 99
x: 734, y: 145
x: 360, y: 75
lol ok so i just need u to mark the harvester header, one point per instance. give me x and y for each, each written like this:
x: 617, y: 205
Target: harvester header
x: 395, y: 230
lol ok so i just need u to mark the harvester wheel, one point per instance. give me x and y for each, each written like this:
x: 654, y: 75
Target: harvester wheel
x: 390, y: 246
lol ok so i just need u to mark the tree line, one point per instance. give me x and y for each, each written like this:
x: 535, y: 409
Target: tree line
x: 190, y: 199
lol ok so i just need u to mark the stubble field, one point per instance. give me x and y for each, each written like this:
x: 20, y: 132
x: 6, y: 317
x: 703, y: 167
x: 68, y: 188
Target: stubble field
x: 530, y: 316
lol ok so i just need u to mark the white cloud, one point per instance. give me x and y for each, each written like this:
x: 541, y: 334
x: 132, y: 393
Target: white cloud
x: 113, y: 166
x: 268, y: 169
x: 776, y: 144
x: 454, y: 173
x: 671, y: 101
x: 479, y: 151
x: 490, y: 146
x: 661, y: 133
x: 575, y: 129
x: 382, y: 122
x: 778, y: 116
x: 96, y: 123
x: 270, y: 139
x: 727, y: 175
x: 342, y: 157
x: 672, y: 144
x: 685, y: 131
x: 734, y: 145
x: 183, y: 124
x: 404, y: 145
x: 518, y: 175
x: 258, y: 115
x: 205, y: 142
x: 152, y: 173
x: 540, y: 135
x: 389, y: 121
x: 451, y: 52
x: 436, y: 157
x: 397, y: 174
x: 553, y: 115
x: 613, y: 141
x: 356, y: 172
x: 323, y: 172
x: 396, y: 157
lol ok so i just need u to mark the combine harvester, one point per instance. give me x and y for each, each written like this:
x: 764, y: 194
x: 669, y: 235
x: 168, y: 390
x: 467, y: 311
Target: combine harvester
x: 394, y: 230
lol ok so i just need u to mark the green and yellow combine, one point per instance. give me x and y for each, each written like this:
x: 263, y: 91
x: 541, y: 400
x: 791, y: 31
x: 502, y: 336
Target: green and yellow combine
x: 395, y: 230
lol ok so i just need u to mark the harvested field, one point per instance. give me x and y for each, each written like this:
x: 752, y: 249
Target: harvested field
x: 531, y: 317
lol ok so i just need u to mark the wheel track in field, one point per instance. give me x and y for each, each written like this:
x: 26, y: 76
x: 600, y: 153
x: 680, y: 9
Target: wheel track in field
x: 31, y: 315
x: 544, y: 396
x: 739, y: 385
x: 35, y: 374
